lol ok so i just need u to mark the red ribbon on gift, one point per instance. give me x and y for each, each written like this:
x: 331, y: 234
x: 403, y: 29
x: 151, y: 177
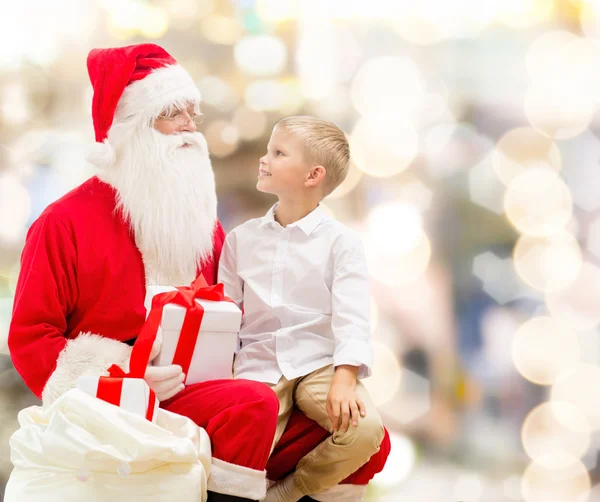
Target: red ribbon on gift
x: 109, y: 388
x: 185, y: 296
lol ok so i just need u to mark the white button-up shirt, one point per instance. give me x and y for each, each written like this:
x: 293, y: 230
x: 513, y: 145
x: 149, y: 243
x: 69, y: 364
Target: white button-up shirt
x: 305, y: 294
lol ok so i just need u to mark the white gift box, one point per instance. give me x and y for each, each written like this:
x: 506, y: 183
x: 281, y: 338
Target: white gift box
x: 134, y: 394
x: 216, y: 343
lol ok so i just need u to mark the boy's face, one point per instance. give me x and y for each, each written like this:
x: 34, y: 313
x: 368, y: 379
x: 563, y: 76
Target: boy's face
x: 283, y: 170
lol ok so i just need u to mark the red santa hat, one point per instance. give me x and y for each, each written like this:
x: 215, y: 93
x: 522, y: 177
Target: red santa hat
x: 138, y: 80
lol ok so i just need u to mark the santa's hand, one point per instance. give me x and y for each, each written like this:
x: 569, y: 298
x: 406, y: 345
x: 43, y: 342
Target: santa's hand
x: 165, y: 381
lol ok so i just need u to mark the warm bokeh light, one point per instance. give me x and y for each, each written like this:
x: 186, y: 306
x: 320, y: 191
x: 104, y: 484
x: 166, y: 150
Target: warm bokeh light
x: 251, y: 124
x: 567, y: 484
x: 555, y: 428
x: 548, y: 263
x: 538, y: 203
x: 261, y: 55
x: 544, y: 349
x: 222, y: 138
x: 388, y: 85
x: 384, y: 145
x: 219, y: 29
x: 387, y: 375
x: 350, y: 183
x: 400, y: 463
x: 523, y: 148
x: 581, y: 388
x: 579, y: 303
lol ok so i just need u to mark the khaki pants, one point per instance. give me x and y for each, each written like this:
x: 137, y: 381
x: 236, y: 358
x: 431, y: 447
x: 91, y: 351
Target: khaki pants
x: 342, y: 453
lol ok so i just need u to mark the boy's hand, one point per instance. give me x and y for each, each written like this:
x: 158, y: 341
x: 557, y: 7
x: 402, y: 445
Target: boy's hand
x: 343, y: 404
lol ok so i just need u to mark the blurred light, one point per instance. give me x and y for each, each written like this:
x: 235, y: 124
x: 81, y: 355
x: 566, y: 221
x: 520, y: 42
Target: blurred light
x: 154, y: 23
x: 277, y: 11
x: 292, y: 97
x: 431, y: 21
x: 387, y: 375
x: 401, y: 216
x: 558, y: 114
x: 350, y: 183
x: 388, y: 85
x: 579, y: 303
x: 265, y: 95
x: 590, y: 19
x: 555, y: 428
x: 222, y: 30
x: 538, y: 203
x: 524, y: 13
x: 541, y: 55
x: 186, y: 11
x: 415, y: 192
x: 548, y: 263
x: 593, y: 238
x: 222, y: 138
x: 384, y: 145
x: 468, y: 487
x: 333, y: 107
x: 512, y: 488
x: 15, y: 205
x: 568, y: 484
x: 250, y: 123
x: 4, y: 327
x: 317, y: 59
x: 261, y: 55
x: 522, y: 148
x: 581, y: 388
x: 216, y: 92
x: 399, y: 464
x: 129, y: 18
x: 433, y: 109
x: 15, y: 104
x: 544, y: 348
x: 401, y: 255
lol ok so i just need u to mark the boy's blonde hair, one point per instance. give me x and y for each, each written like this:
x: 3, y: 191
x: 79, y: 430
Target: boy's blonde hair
x: 324, y: 143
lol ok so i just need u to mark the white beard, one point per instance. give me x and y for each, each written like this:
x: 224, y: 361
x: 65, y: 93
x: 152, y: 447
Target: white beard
x: 167, y: 194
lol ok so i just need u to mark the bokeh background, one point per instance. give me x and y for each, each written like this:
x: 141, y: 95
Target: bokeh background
x: 475, y: 183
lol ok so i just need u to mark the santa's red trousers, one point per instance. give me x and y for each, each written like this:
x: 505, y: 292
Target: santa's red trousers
x: 240, y: 417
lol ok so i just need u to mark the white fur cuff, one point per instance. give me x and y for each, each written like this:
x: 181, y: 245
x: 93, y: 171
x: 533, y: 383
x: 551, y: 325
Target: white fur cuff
x: 236, y: 480
x: 87, y: 354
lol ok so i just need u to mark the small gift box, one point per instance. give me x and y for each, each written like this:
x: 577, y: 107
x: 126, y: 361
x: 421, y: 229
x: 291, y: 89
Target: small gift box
x: 200, y: 334
x: 131, y: 394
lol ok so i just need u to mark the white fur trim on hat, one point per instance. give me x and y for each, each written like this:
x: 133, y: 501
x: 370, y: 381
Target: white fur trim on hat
x: 148, y: 97
x: 87, y: 354
x: 236, y: 480
x: 341, y: 493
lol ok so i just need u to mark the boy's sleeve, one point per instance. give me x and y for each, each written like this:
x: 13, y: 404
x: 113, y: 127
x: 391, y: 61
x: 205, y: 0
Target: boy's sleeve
x: 234, y: 286
x: 351, y: 304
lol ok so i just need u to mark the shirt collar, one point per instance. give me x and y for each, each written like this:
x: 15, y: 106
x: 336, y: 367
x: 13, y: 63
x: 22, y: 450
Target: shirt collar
x: 306, y: 224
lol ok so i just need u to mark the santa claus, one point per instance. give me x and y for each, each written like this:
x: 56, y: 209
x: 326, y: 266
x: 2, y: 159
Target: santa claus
x: 148, y: 217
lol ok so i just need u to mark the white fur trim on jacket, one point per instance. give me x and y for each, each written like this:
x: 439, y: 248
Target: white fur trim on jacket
x: 170, y: 85
x: 236, y: 480
x: 341, y: 493
x: 87, y: 354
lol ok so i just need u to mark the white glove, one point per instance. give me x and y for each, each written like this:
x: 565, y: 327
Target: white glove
x: 165, y: 381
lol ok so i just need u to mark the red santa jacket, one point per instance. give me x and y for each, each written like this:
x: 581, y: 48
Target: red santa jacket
x: 82, y: 272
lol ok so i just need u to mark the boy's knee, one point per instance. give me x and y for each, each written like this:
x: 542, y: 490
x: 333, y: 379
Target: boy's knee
x: 369, y: 435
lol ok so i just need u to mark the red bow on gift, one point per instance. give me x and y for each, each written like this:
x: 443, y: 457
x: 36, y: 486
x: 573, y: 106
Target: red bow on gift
x: 184, y: 296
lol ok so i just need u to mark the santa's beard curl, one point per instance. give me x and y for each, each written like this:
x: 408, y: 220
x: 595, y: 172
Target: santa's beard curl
x: 166, y: 191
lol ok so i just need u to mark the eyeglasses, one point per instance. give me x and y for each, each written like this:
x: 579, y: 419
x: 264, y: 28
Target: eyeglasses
x: 181, y: 119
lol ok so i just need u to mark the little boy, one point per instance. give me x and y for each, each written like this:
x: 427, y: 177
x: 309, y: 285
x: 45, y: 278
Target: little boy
x: 302, y: 280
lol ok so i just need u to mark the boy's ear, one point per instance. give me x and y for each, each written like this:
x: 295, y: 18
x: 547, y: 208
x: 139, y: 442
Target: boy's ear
x: 316, y: 176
